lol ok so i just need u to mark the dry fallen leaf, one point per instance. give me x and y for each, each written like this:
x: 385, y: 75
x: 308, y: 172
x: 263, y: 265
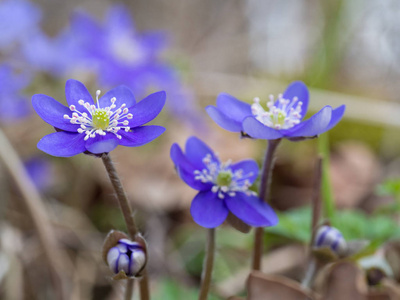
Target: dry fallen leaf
x: 272, y: 287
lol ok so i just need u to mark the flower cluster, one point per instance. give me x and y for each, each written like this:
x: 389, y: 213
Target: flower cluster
x: 281, y: 118
x: 223, y: 187
x: 116, y: 119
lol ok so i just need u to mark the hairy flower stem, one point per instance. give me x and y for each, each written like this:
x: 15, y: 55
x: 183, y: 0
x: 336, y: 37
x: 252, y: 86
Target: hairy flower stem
x: 37, y: 212
x: 207, y: 265
x: 312, y: 266
x: 264, y: 193
x: 328, y: 207
x: 128, y: 217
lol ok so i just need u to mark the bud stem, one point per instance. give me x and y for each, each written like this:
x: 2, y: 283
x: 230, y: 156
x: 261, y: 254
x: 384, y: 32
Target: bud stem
x: 264, y: 193
x: 316, y: 215
x: 207, y: 265
x: 128, y: 217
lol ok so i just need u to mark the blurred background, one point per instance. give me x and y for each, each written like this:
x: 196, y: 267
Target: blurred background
x: 347, y: 52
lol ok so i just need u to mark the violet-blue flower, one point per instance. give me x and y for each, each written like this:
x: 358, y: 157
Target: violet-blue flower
x: 117, y: 52
x: 223, y: 187
x: 128, y: 56
x: 282, y: 117
x: 86, y: 126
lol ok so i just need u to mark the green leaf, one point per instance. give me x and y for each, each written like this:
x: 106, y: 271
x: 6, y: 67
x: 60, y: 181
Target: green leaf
x: 390, y: 187
x: 294, y: 224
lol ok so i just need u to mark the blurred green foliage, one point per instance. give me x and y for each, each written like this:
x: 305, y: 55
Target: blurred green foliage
x: 354, y: 224
x: 173, y: 290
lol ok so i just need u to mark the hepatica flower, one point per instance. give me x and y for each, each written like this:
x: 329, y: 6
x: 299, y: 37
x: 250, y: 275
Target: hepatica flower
x: 126, y: 56
x: 279, y: 118
x: 85, y: 126
x: 223, y: 187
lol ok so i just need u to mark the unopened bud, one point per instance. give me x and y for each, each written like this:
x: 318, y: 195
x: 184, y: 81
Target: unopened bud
x: 330, y: 237
x: 126, y: 256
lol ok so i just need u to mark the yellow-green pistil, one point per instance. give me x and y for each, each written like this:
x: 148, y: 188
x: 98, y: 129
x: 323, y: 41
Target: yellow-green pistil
x: 224, y: 178
x: 100, y: 119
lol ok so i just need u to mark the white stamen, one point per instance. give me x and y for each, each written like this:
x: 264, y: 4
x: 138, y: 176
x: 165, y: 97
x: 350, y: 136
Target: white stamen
x: 239, y: 181
x: 118, y: 119
x: 281, y: 114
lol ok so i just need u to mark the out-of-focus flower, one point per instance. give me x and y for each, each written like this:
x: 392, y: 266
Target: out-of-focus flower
x: 55, y: 56
x: 13, y: 105
x: 117, y: 53
x: 223, y: 187
x: 330, y: 237
x: 18, y: 19
x: 127, y: 256
x: 40, y: 171
x: 282, y: 119
x: 116, y: 119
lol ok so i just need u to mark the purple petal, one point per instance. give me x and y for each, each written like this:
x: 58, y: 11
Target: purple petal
x: 186, y: 170
x: 122, y: 94
x: 52, y: 112
x: 62, y: 144
x: 317, y: 124
x: 123, y: 263
x: 179, y: 159
x: 75, y: 91
x: 251, y: 210
x: 119, y: 19
x: 147, y: 109
x: 257, y: 130
x: 222, y: 120
x: 208, y: 210
x: 232, y: 107
x: 86, y: 30
x: 298, y: 89
x: 130, y: 244
x: 337, y: 115
x: 249, y: 168
x: 112, y: 259
x: 102, y: 143
x: 196, y: 150
x: 139, y: 136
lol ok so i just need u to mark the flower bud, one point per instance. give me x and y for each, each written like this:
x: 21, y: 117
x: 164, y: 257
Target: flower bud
x: 126, y: 256
x: 330, y: 237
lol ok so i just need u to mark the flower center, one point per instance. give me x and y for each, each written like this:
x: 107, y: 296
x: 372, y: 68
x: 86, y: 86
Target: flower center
x: 98, y: 120
x: 224, y: 179
x: 127, y: 49
x: 280, y: 114
x: 101, y: 119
